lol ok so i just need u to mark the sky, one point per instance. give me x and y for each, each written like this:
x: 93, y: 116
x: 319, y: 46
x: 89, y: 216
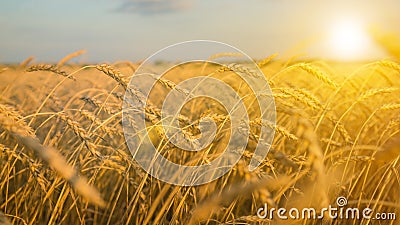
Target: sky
x: 114, y: 30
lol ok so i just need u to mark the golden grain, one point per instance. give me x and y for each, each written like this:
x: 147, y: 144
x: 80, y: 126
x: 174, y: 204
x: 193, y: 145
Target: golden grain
x: 330, y: 140
x: 113, y: 73
x: 49, y: 68
x: 317, y: 73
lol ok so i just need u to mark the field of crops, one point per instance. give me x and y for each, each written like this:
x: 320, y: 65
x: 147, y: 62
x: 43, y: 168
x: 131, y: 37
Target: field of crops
x: 64, y: 158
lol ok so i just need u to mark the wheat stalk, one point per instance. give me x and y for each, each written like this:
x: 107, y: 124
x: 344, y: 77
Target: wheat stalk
x: 70, y: 56
x: 302, y: 96
x: 390, y: 106
x: 26, y: 61
x: 100, y: 105
x: 316, y: 157
x: 317, y: 73
x: 342, y: 130
x: 390, y: 65
x: 80, y: 132
x: 225, y: 54
x: 267, y: 60
x: 379, y: 91
x: 11, y: 122
x: 113, y: 73
x: 277, y: 128
x: 238, y: 68
x: 49, y: 68
x: 90, y: 116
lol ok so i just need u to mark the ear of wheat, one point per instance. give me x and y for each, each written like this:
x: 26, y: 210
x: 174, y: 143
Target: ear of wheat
x: 49, y: 68
x: 317, y: 73
x: 70, y: 56
x: 113, y: 73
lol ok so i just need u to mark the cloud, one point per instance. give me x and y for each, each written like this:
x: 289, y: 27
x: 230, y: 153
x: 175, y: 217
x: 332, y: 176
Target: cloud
x: 153, y: 6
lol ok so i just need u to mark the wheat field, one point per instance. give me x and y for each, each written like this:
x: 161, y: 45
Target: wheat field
x: 64, y: 159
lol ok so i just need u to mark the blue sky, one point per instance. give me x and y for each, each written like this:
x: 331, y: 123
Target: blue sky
x: 112, y: 30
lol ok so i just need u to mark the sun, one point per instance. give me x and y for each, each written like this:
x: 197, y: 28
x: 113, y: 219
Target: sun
x: 349, y: 40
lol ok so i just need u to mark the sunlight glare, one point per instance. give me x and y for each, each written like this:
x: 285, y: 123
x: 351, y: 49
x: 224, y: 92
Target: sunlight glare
x: 349, y: 40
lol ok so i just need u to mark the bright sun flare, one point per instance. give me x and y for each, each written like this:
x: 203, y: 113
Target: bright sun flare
x: 349, y: 40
